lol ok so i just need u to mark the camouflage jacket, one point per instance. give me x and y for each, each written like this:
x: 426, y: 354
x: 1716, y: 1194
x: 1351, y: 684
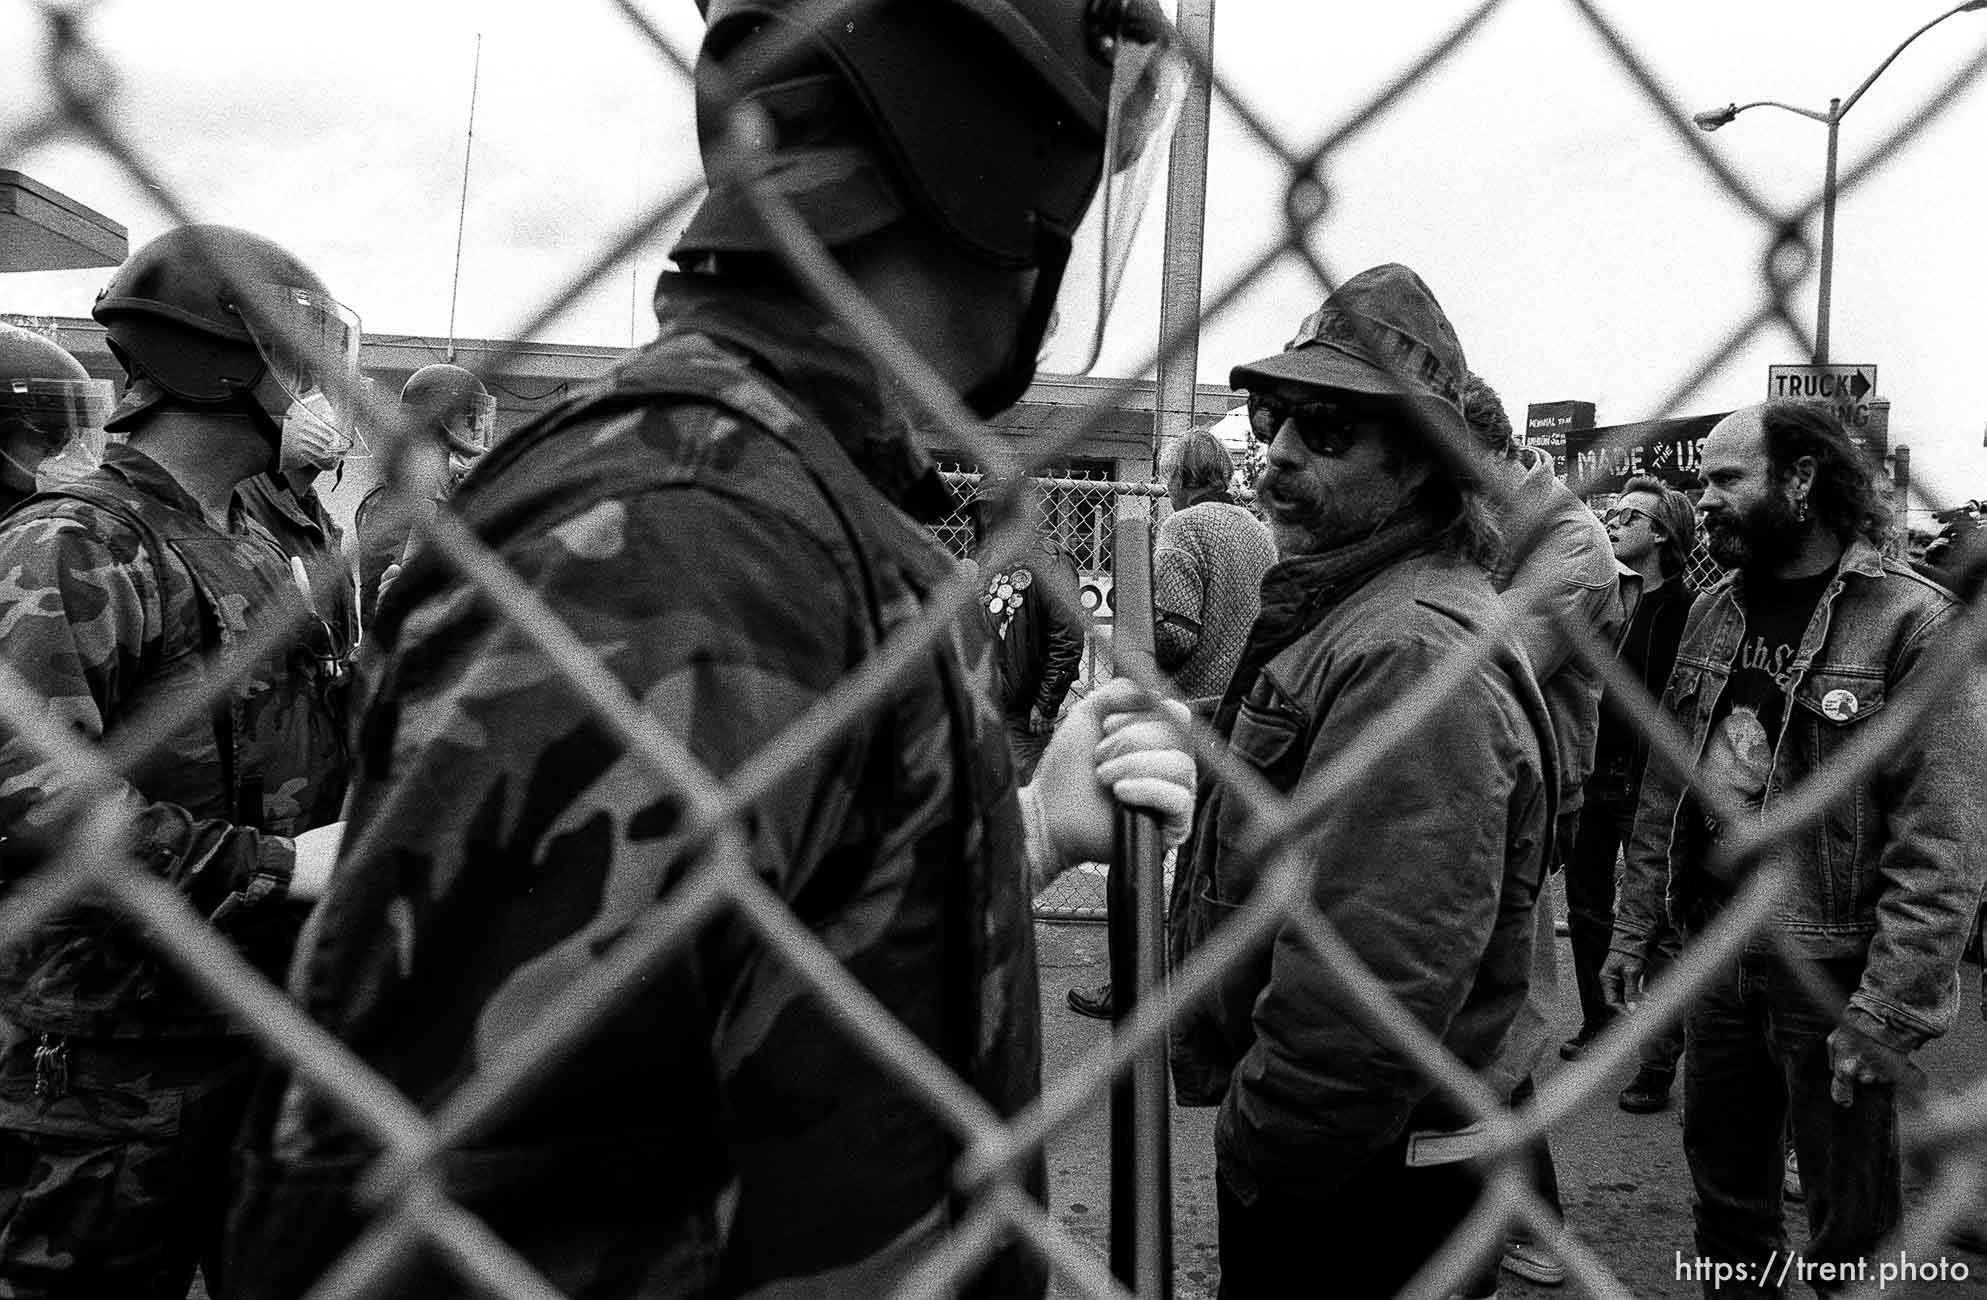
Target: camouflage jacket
x: 116, y: 593
x: 725, y: 520
x: 303, y: 528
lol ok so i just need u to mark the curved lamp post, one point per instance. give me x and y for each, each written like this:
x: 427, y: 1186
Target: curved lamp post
x: 1712, y: 119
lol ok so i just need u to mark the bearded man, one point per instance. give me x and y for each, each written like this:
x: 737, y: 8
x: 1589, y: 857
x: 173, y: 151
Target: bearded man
x: 1782, y: 668
x: 1427, y: 857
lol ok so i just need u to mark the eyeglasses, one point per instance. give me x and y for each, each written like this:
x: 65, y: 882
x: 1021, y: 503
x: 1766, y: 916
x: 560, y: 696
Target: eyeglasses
x: 1326, y: 428
x: 1626, y: 515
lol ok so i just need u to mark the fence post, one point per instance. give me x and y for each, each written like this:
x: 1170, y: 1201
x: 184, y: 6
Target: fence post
x: 1173, y: 398
x: 1141, y: 1132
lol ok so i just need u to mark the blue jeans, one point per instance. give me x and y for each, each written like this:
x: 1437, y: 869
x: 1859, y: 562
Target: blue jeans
x: 1757, y: 1058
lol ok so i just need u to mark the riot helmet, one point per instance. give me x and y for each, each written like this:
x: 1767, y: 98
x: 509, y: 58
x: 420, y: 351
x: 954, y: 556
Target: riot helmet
x: 51, y: 414
x: 453, y: 403
x: 211, y: 316
x: 992, y: 120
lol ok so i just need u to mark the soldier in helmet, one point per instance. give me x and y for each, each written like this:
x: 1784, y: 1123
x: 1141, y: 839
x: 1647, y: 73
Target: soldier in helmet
x: 732, y: 519
x: 458, y: 415
x: 51, y: 416
x: 120, y: 1086
x: 285, y: 503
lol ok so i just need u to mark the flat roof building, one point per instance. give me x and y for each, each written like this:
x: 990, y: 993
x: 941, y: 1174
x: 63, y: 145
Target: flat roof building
x: 43, y: 229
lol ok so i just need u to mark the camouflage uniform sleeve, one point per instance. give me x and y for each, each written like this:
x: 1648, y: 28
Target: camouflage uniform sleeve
x: 78, y: 603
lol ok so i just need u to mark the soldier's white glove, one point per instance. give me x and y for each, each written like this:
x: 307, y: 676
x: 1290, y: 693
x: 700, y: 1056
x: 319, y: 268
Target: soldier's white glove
x: 317, y: 853
x: 386, y: 577
x: 1116, y: 746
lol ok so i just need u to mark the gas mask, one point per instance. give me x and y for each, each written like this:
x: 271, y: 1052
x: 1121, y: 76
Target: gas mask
x: 311, y: 436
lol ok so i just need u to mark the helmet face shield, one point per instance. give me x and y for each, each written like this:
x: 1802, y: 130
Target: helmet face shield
x: 310, y: 342
x: 1148, y: 88
x: 476, y: 422
x: 366, y: 395
x: 51, y: 430
x: 448, y: 402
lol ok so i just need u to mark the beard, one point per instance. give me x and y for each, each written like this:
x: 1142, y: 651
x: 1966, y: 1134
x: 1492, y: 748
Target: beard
x: 1306, y: 517
x: 1763, y: 537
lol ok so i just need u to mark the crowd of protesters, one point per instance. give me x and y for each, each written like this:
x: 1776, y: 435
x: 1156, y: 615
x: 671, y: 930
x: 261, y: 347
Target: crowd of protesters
x: 370, y: 782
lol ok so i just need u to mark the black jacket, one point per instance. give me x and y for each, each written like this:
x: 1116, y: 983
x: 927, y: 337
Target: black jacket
x: 1039, y: 652
x: 1648, y: 650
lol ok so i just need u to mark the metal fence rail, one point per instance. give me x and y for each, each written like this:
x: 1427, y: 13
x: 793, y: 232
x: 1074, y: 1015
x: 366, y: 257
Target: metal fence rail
x: 412, y: 1214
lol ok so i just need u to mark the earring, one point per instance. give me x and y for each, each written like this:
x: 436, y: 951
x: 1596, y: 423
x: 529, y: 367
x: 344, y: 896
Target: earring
x: 1801, y: 511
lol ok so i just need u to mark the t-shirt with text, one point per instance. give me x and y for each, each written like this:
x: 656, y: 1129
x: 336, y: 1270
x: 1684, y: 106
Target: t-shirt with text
x: 1738, y: 759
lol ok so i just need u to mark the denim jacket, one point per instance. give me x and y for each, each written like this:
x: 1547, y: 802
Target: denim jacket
x: 1893, y: 871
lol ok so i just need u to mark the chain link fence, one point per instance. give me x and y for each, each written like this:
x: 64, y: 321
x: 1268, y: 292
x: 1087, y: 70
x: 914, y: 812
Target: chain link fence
x: 411, y: 1212
x: 1079, y: 515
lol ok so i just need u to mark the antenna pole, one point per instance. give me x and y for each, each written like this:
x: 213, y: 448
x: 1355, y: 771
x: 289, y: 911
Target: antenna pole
x: 462, y: 213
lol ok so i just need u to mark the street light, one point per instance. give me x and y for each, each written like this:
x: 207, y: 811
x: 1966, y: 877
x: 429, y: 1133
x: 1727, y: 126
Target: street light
x: 1713, y: 118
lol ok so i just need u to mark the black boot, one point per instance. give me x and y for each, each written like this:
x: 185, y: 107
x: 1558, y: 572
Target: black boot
x: 1093, y: 1002
x: 1648, y: 1092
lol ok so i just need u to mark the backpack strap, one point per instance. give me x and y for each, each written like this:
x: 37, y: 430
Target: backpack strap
x: 245, y: 803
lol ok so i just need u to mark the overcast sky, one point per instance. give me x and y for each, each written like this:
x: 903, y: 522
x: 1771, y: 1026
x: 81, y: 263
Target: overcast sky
x: 1580, y: 248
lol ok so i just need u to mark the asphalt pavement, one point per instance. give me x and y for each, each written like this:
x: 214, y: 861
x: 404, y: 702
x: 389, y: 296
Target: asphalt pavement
x: 1624, y: 1184
x: 1623, y: 1180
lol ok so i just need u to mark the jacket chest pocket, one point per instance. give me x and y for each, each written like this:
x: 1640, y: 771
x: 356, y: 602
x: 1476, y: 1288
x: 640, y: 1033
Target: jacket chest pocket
x: 1837, y: 701
x: 1831, y: 709
x: 1271, y: 735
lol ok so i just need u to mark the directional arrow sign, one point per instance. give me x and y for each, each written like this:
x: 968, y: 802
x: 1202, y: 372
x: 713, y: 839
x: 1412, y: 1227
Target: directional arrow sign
x: 1848, y: 388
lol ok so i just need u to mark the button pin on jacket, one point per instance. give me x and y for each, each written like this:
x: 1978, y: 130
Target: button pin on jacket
x: 1839, y: 705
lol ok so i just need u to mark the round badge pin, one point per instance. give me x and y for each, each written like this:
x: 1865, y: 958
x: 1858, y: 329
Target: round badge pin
x: 1839, y: 705
x: 1022, y: 579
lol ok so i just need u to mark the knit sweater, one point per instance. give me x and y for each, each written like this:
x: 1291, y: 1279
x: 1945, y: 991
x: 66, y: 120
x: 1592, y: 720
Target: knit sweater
x: 1207, y: 574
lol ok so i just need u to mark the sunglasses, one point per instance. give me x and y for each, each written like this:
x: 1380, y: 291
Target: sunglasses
x: 1626, y: 515
x: 1326, y: 428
